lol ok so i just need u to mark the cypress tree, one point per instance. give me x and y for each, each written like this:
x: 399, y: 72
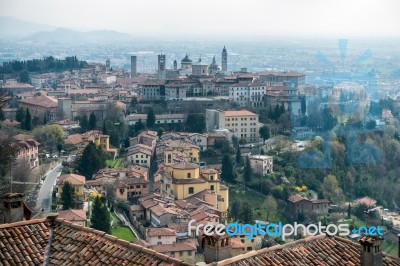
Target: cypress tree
x: 247, y: 171
x: 67, y: 196
x: 151, y: 118
x: 227, y: 169
x: 28, y: 120
x: 91, y: 161
x: 92, y: 121
x: 100, y: 218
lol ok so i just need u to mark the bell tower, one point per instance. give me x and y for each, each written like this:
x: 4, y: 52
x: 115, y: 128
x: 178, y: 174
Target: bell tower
x: 224, y: 62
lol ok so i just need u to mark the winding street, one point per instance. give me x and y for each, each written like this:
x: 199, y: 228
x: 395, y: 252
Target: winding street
x: 46, y: 190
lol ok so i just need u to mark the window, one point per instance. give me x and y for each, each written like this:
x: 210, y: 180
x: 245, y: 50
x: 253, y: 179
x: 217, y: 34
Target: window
x: 191, y: 190
x: 180, y: 253
x: 212, y: 187
x: 159, y: 243
x: 211, y: 177
x: 159, y: 237
x: 189, y: 175
x: 190, y: 253
x: 144, y: 186
x: 249, y: 248
x: 137, y: 186
x: 173, y: 254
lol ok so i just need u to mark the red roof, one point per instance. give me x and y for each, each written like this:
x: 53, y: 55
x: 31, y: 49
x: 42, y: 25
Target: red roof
x: 318, y: 250
x: 24, y: 243
x: 239, y: 113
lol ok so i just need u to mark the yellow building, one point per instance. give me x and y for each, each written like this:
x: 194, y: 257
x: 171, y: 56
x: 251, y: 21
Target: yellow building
x: 187, y: 179
x: 179, y: 150
x: 243, y: 123
x: 77, y: 182
x: 97, y: 138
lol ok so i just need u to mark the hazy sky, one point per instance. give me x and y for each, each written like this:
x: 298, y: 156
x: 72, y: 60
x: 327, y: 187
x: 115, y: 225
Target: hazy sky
x: 213, y: 18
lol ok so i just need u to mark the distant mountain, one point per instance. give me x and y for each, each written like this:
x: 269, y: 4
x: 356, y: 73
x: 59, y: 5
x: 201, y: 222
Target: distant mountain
x: 62, y: 35
x: 15, y: 28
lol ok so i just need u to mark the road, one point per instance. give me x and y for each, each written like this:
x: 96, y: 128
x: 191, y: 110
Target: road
x: 46, y: 190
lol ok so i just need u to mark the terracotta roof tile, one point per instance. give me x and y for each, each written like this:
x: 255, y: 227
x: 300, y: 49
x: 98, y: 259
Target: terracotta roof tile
x: 24, y: 243
x: 239, y: 113
x: 72, y: 178
x: 317, y: 250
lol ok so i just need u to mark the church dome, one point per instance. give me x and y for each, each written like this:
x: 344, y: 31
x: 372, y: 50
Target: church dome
x: 186, y: 60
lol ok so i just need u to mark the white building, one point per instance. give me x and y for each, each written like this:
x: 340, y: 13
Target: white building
x: 175, y: 92
x: 140, y: 154
x: 132, y: 119
x: 248, y: 94
x: 261, y: 164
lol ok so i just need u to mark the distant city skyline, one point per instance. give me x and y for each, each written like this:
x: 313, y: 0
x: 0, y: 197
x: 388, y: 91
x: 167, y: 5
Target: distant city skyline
x: 215, y: 19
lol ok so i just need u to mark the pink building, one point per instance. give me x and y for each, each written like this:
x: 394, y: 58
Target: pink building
x: 27, y: 149
x: 160, y: 236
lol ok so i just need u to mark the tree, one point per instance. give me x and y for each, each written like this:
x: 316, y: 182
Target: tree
x: 92, y: 121
x: 235, y: 209
x: 132, y: 105
x: 91, y: 161
x: 238, y: 155
x: 222, y: 145
x: 151, y: 118
x: 371, y: 125
x: 110, y: 191
x: 138, y: 126
x: 247, y: 171
x: 227, y: 169
x: 24, y: 76
x: 331, y: 189
x: 264, y: 132
x: 247, y: 214
x: 271, y: 206
x: 22, y: 172
x: 19, y: 116
x: 349, y: 211
x: 100, y: 218
x: 2, y: 117
x: 27, y: 123
x: 50, y: 137
x: 235, y: 141
x: 104, y: 129
x: 67, y: 196
x: 242, y: 141
x: 160, y: 131
x: 83, y: 123
x: 196, y: 123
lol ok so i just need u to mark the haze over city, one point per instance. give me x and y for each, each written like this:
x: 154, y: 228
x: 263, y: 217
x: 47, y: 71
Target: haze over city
x: 200, y: 133
x: 216, y: 19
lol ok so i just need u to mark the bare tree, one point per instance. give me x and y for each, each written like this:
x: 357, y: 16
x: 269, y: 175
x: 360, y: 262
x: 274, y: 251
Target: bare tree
x: 21, y: 172
x: 110, y: 191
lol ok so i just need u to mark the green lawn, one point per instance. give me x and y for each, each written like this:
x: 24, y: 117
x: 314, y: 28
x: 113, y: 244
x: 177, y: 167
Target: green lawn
x: 114, y: 163
x: 123, y: 232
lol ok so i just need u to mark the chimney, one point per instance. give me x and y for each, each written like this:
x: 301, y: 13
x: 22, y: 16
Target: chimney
x: 398, y: 246
x: 371, y: 250
x: 13, y: 208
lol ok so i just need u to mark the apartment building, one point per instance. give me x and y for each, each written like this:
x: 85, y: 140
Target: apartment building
x: 247, y: 94
x: 261, y: 164
x: 243, y: 124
